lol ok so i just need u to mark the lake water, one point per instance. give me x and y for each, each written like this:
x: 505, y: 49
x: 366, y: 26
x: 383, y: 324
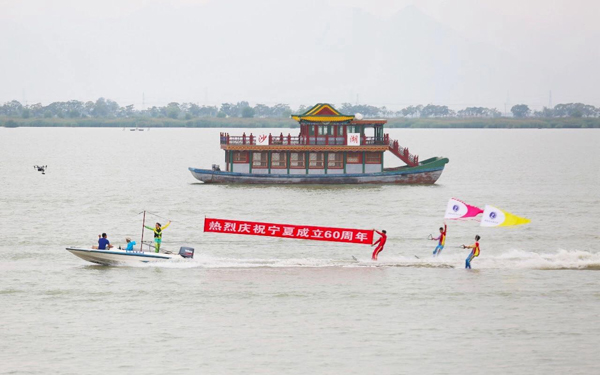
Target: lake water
x: 271, y: 306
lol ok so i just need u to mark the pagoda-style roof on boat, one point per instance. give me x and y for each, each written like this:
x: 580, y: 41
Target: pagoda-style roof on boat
x: 322, y: 112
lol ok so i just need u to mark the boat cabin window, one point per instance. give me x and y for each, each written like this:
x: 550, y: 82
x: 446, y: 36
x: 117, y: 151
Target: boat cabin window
x: 316, y: 160
x: 279, y: 160
x: 311, y: 130
x: 240, y: 156
x: 297, y: 160
x: 260, y: 159
x: 335, y: 160
x: 356, y: 129
x: 325, y: 130
x: 373, y: 158
x: 354, y: 158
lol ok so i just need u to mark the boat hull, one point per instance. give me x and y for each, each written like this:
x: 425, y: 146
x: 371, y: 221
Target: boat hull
x: 120, y: 257
x: 426, y: 173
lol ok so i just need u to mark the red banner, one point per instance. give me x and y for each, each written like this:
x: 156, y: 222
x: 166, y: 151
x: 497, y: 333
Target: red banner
x: 301, y: 232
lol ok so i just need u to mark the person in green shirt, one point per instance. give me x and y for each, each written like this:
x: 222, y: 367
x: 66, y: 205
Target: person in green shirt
x: 158, y: 234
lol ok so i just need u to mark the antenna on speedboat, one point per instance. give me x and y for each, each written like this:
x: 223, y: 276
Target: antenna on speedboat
x: 143, y: 226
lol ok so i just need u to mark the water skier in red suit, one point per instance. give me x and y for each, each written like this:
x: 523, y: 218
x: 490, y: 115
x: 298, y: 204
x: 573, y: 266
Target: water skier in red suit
x: 380, y: 243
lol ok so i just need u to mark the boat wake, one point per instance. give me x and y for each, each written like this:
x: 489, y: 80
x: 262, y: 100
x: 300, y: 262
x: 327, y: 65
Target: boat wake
x: 561, y: 260
x: 514, y: 259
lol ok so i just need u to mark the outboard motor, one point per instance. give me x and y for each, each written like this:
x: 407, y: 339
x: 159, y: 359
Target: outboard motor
x: 186, y: 252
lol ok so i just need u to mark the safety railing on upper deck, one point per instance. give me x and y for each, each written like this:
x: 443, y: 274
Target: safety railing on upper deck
x: 269, y: 139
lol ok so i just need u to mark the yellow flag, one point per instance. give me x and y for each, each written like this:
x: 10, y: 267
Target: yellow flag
x: 495, y: 217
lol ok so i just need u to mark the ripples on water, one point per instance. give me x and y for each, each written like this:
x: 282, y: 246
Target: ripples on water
x: 263, y: 305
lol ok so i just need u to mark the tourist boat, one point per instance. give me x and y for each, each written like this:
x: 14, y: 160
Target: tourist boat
x: 332, y: 148
x: 114, y: 257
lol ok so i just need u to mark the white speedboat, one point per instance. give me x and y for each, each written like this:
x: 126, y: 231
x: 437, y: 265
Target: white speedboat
x: 115, y: 256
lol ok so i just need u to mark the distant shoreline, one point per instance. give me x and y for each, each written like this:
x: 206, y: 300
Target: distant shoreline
x: 411, y: 123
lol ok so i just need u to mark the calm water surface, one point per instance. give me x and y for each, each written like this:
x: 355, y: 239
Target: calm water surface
x: 271, y: 306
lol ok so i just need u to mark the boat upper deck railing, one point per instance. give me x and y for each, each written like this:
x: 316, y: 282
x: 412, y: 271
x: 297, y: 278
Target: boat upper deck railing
x: 403, y: 153
x: 289, y: 140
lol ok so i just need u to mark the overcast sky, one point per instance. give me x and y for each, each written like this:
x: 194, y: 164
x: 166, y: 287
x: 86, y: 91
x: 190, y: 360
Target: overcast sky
x: 381, y: 52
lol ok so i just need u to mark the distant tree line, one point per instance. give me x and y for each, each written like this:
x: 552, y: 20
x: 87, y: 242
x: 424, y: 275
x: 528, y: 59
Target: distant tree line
x: 109, y: 109
x: 569, y: 110
x: 441, y: 111
x: 106, y: 108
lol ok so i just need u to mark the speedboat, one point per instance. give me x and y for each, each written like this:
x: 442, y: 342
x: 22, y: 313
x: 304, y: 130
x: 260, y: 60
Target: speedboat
x: 117, y: 256
x: 114, y: 256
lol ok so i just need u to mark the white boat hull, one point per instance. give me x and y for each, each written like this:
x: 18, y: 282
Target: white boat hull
x: 120, y: 257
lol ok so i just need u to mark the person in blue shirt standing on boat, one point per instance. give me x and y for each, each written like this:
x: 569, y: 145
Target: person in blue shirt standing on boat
x: 158, y: 234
